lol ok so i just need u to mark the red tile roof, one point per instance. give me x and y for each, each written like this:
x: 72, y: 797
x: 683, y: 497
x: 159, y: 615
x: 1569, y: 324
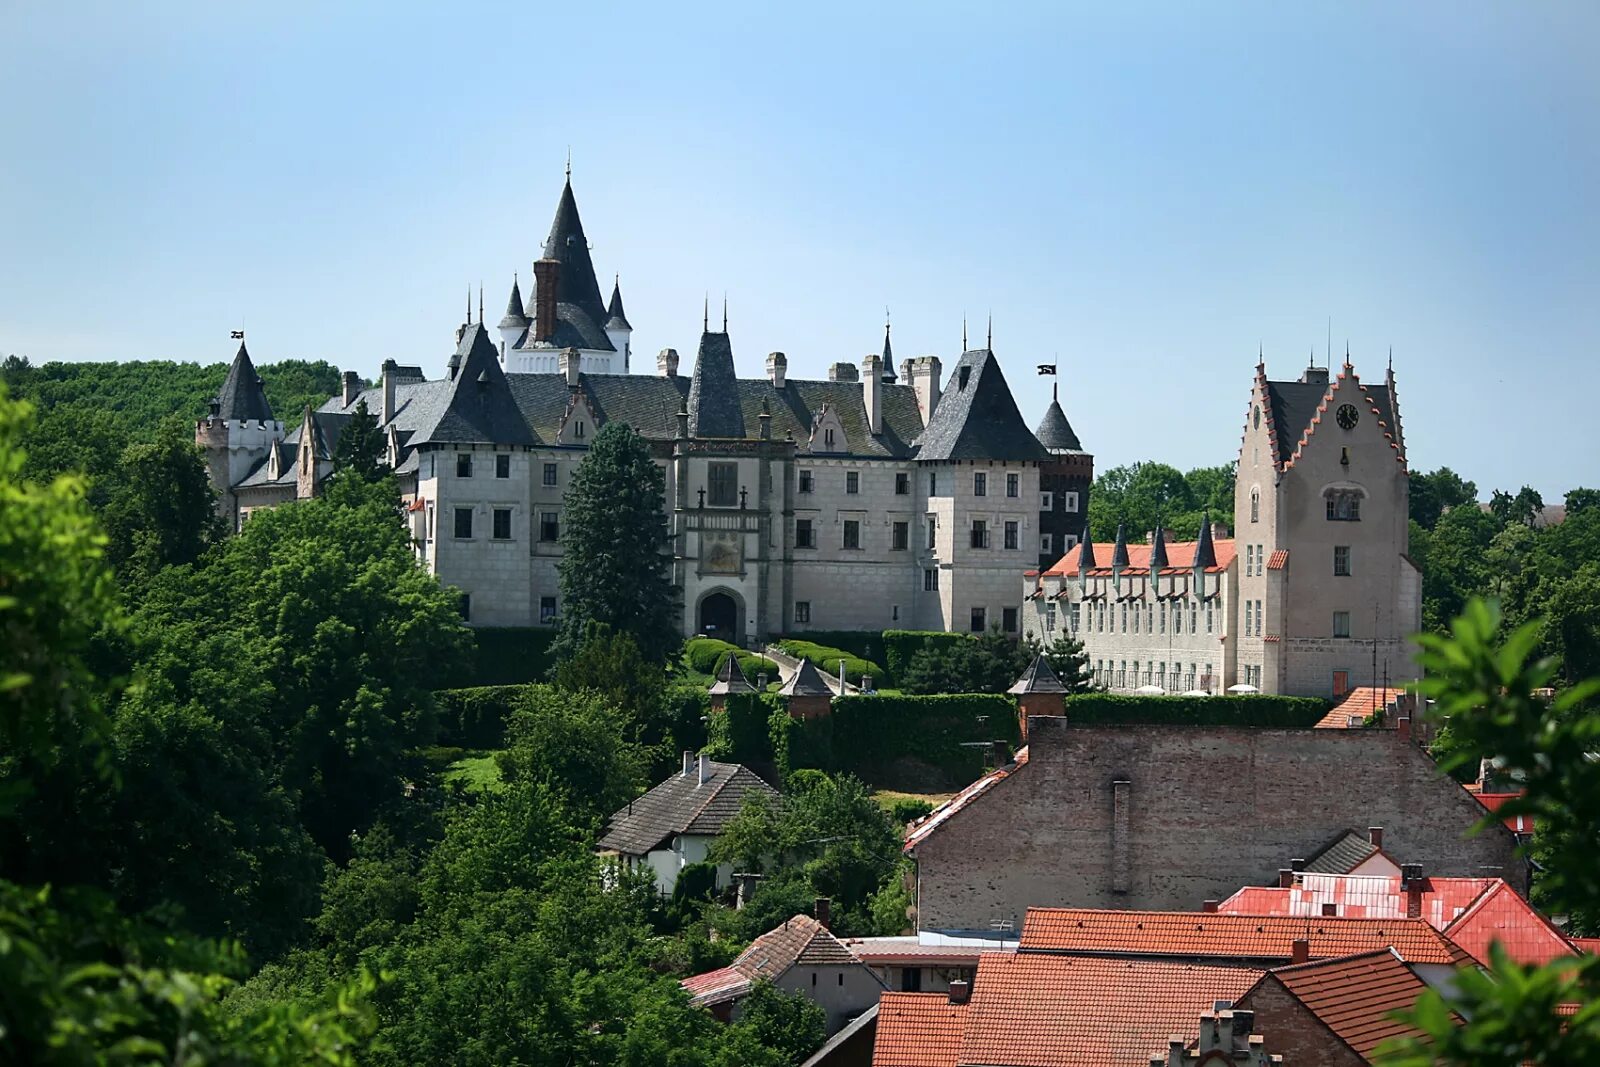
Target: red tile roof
x: 1180, y: 558
x: 1361, y: 896
x: 920, y: 829
x: 1517, y: 824
x: 714, y: 987
x: 1076, y: 1011
x: 801, y: 939
x: 1278, y: 560
x: 1203, y: 935
x: 918, y: 1030
x: 1354, y: 996
x: 1360, y: 702
x: 1591, y: 945
x: 1500, y: 914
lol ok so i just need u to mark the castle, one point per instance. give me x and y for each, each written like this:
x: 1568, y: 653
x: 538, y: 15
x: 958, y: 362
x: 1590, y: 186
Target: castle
x: 871, y: 500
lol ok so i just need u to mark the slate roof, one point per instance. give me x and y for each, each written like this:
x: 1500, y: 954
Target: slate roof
x: 616, y: 318
x: 1055, y: 432
x: 1213, y: 935
x: 730, y: 678
x: 805, y: 682
x: 681, y: 805
x: 326, y: 426
x: 1063, y: 1011
x: 889, y: 377
x: 516, y: 316
x: 242, y: 395
x: 977, y: 417
x: 1341, y: 855
x: 477, y: 404
x: 714, y: 408
x: 1038, y: 678
x: 919, y: 1030
x: 579, y: 308
x: 1205, y: 551
x: 1119, y: 551
x: 1355, y: 997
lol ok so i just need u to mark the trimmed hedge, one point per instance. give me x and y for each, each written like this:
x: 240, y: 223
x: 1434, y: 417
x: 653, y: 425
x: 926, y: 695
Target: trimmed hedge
x: 741, y: 732
x: 512, y: 655
x: 900, y: 645
x: 476, y: 717
x: 871, y: 732
x: 704, y: 654
x: 862, y: 644
x: 798, y: 743
x: 827, y: 661
x: 1230, y: 709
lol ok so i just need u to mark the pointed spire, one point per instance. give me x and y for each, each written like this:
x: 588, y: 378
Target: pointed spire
x: 480, y: 301
x: 1119, y: 554
x: 730, y: 678
x: 888, y: 352
x: 469, y: 305
x: 988, y: 340
x: 516, y: 316
x: 963, y: 333
x: 569, y: 164
x: 1347, y: 355
x: 242, y: 396
x: 1055, y: 432
x: 1391, y: 358
x: 1039, y: 677
x: 576, y: 284
x: 705, y: 315
x: 1158, y: 551
x: 724, y: 312
x: 1086, y: 561
x: 616, y: 318
x: 1205, y: 552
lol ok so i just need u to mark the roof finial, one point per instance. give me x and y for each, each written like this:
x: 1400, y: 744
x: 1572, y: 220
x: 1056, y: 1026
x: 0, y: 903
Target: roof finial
x: 988, y: 340
x: 569, y: 163
x: 1347, y: 352
x: 705, y: 315
x: 469, y: 305
x: 480, y: 301
x: 724, y: 311
x: 1391, y: 357
x: 963, y: 333
x: 1054, y: 397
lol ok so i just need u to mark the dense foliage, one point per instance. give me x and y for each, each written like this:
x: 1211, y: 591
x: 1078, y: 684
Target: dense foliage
x: 1143, y: 495
x: 899, y: 646
x: 1227, y: 709
x: 827, y: 660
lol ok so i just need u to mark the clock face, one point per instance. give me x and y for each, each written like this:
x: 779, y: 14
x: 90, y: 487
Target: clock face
x: 1348, y: 415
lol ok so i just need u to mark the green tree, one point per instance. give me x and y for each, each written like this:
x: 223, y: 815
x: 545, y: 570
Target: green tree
x: 1067, y: 658
x: 361, y: 450
x: 1434, y: 493
x: 609, y: 663
x: 1579, y: 500
x: 575, y: 745
x: 792, y: 1025
x: 613, y: 567
x: 160, y: 508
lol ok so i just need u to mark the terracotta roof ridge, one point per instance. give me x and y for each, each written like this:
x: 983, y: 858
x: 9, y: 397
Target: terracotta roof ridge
x: 1296, y: 968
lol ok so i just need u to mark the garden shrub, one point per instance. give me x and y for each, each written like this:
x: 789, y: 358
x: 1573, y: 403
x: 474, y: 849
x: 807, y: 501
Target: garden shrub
x: 900, y: 645
x: 476, y: 717
x: 872, y: 732
x: 704, y: 654
x: 1231, y: 709
x: 512, y: 655
x: 827, y: 661
x: 862, y: 644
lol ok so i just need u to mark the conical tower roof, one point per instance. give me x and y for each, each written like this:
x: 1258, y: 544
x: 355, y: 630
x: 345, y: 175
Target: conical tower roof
x: 714, y: 409
x: 1158, y: 551
x: 1119, y: 554
x: 730, y: 678
x: 1086, y: 551
x: 1205, y: 553
x: 1055, y: 432
x: 616, y: 318
x: 806, y: 682
x: 575, y: 282
x: 242, y: 395
x: 889, y: 377
x: 1040, y: 677
x: 516, y: 316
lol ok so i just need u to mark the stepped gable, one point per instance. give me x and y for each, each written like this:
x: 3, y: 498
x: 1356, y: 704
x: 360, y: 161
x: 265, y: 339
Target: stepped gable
x: 478, y: 407
x: 242, y: 397
x: 1055, y: 432
x: 1292, y: 405
x: 977, y: 417
x: 714, y: 408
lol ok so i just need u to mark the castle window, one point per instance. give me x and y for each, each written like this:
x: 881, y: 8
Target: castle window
x: 901, y: 539
x: 466, y: 607
x: 902, y: 484
x: 502, y: 524
x: 980, y: 620
x: 549, y: 525
x: 550, y: 474
x: 1049, y: 618
x: 1255, y: 505
x: 1343, y: 505
x: 802, y: 613
x: 980, y: 484
x: 1069, y: 501
x: 980, y: 534
x: 463, y: 464
x: 1341, y: 560
x: 722, y: 484
x: 1047, y: 501
x: 1341, y: 624
x: 1011, y: 535
x: 1045, y: 541
x: 1008, y: 620
x: 933, y: 532
x: 1013, y: 485
x: 827, y: 439
x: 930, y: 579
x: 463, y: 522
x: 933, y: 483
x: 852, y: 482
x: 1074, y: 615
x: 806, y: 481
x: 804, y: 535
x: 547, y: 611
x: 852, y: 533
x: 502, y: 466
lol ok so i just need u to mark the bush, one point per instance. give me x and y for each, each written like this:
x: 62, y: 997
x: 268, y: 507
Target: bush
x: 827, y: 661
x: 800, y: 743
x: 754, y: 666
x: 512, y: 655
x: 862, y: 644
x: 704, y: 654
x: 476, y: 718
x: 900, y: 645
x: 741, y: 732
x: 872, y: 732
x: 909, y: 809
x: 1233, y: 709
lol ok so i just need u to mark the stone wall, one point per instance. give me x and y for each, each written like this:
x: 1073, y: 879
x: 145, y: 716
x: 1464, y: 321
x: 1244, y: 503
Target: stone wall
x: 1209, y: 809
x: 1291, y: 1031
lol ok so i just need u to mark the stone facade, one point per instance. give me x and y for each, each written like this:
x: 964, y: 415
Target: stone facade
x: 1160, y: 817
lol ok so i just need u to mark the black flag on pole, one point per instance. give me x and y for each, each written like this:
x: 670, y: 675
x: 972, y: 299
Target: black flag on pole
x: 1047, y: 368
x: 238, y: 335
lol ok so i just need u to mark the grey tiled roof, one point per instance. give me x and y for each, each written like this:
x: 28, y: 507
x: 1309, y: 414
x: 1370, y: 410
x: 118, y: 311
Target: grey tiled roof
x: 242, y: 396
x: 1038, y: 678
x: 714, y: 409
x: 1055, y: 432
x: 681, y: 805
x: 1119, y: 552
x: 516, y: 316
x: 806, y: 682
x: 579, y: 309
x: 616, y: 318
x: 1205, y: 552
x: 1086, y: 554
x: 977, y: 418
x: 478, y: 406
x: 1158, y: 550
x: 730, y: 678
x: 888, y: 358
x: 1341, y: 855
x: 1294, y: 404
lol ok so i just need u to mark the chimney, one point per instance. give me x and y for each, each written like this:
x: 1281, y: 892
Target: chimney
x: 1300, y: 951
x: 391, y: 371
x: 905, y: 370
x: 777, y: 368
x: 1314, y: 376
x: 546, y: 274
x: 705, y: 769
x: 1285, y: 878
x: 667, y: 363
x: 1405, y: 728
x: 960, y: 991
x: 352, y: 387
x: 1375, y: 835
x: 872, y: 393
x: 571, y: 361
x: 1220, y: 531
x: 925, y: 371
x: 1210, y: 906
x: 1411, y: 882
x: 688, y: 762
x: 823, y: 909
x: 842, y: 372
x: 1297, y: 865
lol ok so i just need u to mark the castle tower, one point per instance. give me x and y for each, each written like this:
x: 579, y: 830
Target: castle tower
x: 237, y: 433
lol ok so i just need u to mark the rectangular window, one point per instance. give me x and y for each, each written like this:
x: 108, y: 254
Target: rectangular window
x: 1073, y: 614
x: 463, y: 464
x: 804, y: 535
x: 1136, y: 614
x: 1011, y: 535
x: 930, y: 579
x: 902, y: 484
x: 1341, y: 624
x: 933, y: 532
x: 802, y: 611
x: 980, y: 483
x: 466, y: 607
x: 933, y: 483
x: 852, y: 533
x: 549, y: 525
x: 502, y: 524
x: 1259, y: 631
x: 894, y: 613
x: 1008, y: 620
x: 980, y: 620
x: 1045, y: 542
x: 1163, y: 618
x: 547, y: 611
x: 502, y: 466
x: 980, y: 534
x: 807, y: 483
x: 1247, y: 610
x: 1047, y: 501
x: 852, y: 482
x: 463, y: 522
x: 550, y: 474
x: 1194, y: 618
x: 901, y: 538
x: 1049, y: 617
x: 722, y: 484
x: 1343, y: 506
x: 1070, y: 501
x: 1013, y: 485
x: 1208, y: 617
x: 1341, y: 560
x: 1341, y: 683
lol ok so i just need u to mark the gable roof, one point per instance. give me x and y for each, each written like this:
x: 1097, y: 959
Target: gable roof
x: 1341, y: 855
x: 919, y: 1030
x: 1501, y: 914
x: 799, y: 940
x: 1180, y: 558
x: 977, y: 417
x: 681, y: 805
x: 920, y: 829
x: 1362, y: 896
x: 1064, y: 1011
x: 1361, y: 702
x: 1293, y: 405
x: 1355, y: 997
x: 714, y: 409
x: 242, y: 396
x: 477, y: 405
x: 1213, y: 935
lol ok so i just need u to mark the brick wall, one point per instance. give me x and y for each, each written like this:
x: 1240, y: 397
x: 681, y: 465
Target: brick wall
x: 1291, y: 1031
x: 1207, y: 810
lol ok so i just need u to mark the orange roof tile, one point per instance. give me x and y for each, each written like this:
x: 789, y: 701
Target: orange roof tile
x: 1278, y: 560
x: 918, y: 1030
x: 1500, y: 914
x: 920, y: 829
x: 1180, y: 558
x: 1359, y: 703
x: 1517, y: 824
x: 714, y: 987
x: 1075, y: 1011
x: 1355, y: 996
x: 1361, y: 896
x: 1201, y: 935
x: 1591, y: 945
x: 801, y: 939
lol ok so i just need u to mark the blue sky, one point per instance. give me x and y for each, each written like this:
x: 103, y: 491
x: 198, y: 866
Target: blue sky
x: 1144, y: 193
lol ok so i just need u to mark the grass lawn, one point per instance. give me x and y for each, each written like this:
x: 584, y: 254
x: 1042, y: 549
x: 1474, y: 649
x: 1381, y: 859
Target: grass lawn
x: 478, y: 773
x: 887, y: 798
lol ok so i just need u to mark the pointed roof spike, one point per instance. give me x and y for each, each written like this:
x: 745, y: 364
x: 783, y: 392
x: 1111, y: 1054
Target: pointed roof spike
x: 575, y: 281
x: 963, y: 333
x: 1391, y: 357
x: 616, y: 318
x: 1158, y: 550
x: 730, y: 678
x: 805, y: 682
x: 480, y: 301
x: 1086, y: 560
x: 1039, y: 677
x: 516, y: 316
x: 724, y: 312
x: 1347, y: 353
x: 705, y: 315
x: 888, y: 352
x: 1119, y: 554
x: 1205, y: 552
x: 242, y: 397
x: 988, y: 340
x: 1054, y: 431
